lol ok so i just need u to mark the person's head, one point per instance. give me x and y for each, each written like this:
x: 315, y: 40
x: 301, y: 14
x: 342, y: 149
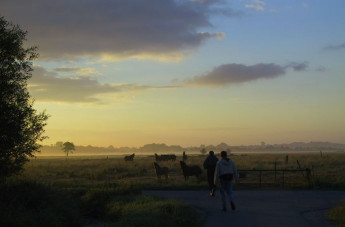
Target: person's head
x: 223, y: 154
x: 211, y: 153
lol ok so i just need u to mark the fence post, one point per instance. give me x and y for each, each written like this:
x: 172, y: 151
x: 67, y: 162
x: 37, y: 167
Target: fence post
x: 283, y: 178
x: 308, y: 173
x: 299, y: 167
x: 275, y: 171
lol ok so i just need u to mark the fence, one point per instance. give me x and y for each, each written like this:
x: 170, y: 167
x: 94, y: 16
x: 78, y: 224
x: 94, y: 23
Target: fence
x: 280, y: 176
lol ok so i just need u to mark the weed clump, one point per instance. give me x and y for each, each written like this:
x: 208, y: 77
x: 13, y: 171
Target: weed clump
x: 337, y: 215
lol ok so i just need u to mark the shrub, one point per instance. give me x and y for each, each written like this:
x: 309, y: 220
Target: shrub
x: 31, y: 204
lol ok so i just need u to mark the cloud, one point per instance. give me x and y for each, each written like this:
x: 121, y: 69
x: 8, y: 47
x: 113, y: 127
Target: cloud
x: 297, y: 66
x: 79, y: 71
x: 238, y: 73
x: 335, y: 47
x: 259, y: 2
x: 321, y: 69
x: 118, y: 28
x: 305, y: 5
x: 49, y: 86
x: 257, y: 5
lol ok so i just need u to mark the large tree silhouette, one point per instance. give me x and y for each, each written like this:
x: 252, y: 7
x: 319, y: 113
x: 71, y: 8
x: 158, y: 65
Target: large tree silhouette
x: 21, y: 127
x: 68, y: 147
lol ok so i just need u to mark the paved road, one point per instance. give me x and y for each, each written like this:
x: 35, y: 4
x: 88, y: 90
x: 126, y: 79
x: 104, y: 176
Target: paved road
x: 261, y: 208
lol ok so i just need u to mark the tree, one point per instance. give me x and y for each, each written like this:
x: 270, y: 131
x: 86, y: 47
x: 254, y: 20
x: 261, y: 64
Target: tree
x: 228, y: 150
x: 58, y: 144
x: 21, y: 126
x: 68, y: 147
x: 203, y: 151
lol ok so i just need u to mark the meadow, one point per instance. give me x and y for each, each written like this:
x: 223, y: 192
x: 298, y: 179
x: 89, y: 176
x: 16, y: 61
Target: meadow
x: 107, y: 189
x: 89, y: 172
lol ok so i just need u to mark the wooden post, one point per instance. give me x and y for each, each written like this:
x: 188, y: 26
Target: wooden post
x: 283, y: 178
x: 299, y: 167
x: 308, y: 173
x: 275, y: 170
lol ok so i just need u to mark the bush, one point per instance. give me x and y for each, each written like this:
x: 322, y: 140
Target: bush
x: 32, y: 204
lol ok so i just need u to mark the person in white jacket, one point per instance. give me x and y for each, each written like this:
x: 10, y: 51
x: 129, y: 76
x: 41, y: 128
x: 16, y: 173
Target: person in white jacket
x: 225, y: 172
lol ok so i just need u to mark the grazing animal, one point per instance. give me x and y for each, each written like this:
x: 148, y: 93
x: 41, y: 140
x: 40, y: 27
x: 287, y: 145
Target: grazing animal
x: 165, y: 157
x: 161, y: 171
x: 129, y: 157
x: 193, y: 170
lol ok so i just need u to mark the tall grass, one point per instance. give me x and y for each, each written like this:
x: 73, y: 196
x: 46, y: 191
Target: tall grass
x: 328, y: 172
x: 151, y: 211
x: 337, y: 214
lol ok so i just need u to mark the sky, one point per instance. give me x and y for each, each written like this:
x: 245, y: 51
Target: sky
x: 186, y: 72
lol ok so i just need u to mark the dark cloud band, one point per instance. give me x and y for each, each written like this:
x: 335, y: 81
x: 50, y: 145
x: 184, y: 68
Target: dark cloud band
x: 77, y: 28
x: 238, y: 73
x: 335, y: 47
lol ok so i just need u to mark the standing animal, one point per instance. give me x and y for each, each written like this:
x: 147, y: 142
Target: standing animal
x: 161, y: 171
x: 193, y: 170
x: 184, y: 156
x: 157, y: 157
x: 129, y: 157
x: 165, y: 157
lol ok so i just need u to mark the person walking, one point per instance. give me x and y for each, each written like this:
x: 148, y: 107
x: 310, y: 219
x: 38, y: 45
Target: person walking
x: 225, y: 172
x: 210, y: 164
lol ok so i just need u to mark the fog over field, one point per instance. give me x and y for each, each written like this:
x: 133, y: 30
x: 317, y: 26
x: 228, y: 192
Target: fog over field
x: 150, y: 149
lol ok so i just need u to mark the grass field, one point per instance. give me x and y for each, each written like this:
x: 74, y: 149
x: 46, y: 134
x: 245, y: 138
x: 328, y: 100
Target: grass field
x: 107, y: 190
x: 88, y: 172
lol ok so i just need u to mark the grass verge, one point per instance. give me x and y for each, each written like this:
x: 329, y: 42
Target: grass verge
x: 337, y: 214
x: 25, y: 203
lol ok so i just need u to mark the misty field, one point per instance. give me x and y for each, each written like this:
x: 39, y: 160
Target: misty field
x: 108, y: 189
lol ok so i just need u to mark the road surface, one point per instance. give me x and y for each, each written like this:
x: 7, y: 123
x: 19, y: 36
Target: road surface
x: 261, y: 208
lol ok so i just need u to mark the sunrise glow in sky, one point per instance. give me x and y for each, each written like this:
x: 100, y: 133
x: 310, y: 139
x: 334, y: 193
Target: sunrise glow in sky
x: 187, y: 72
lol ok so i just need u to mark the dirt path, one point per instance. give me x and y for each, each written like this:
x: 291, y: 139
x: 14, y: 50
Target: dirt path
x: 261, y: 208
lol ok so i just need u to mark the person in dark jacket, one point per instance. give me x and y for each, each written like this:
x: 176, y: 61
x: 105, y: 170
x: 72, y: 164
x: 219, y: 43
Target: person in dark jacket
x: 210, y: 164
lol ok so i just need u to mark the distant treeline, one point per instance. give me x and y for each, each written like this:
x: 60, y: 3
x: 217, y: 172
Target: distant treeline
x: 311, y: 146
x: 55, y: 149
